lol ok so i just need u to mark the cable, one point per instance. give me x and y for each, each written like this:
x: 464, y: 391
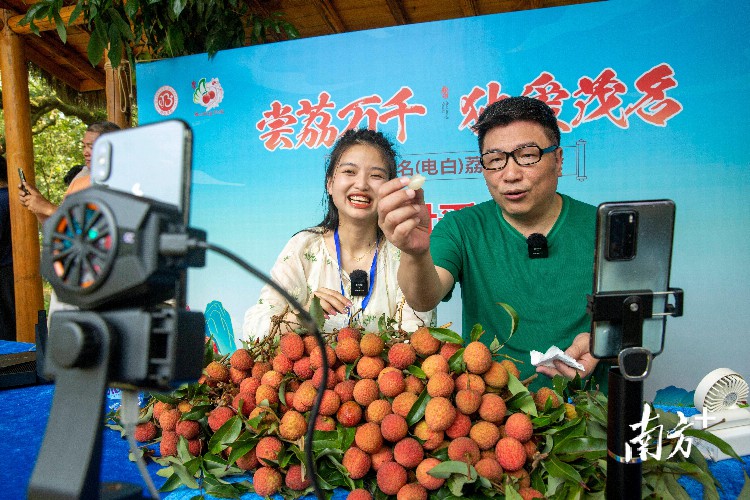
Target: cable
x: 129, y: 413
x: 309, y: 323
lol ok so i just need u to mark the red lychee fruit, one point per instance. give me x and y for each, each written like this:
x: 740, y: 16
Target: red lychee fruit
x: 439, y: 414
x: 266, y: 481
x: 160, y: 407
x: 391, y: 383
x: 477, y: 357
x: 292, y: 426
x: 349, y: 414
x: 492, y: 409
x: 470, y: 381
x: 408, y: 452
x: 423, y: 476
x: 237, y: 376
x: 168, y: 444
x: 528, y: 493
x: 347, y: 350
x: 348, y: 333
x: 423, y: 342
x: 519, y: 426
x: 248, y: 461
x: 394, y: 427
x: 219, y: 416
x: 345, y: 390
x: 440, y: 385
x: 460, y: 427
x: 281, y: 364
x: 249, y: 386
x: 510, y: 454
x: 365, y: 391
x: 403, y: 402
x: 385, y: 454
x: 371, y: 344
x: 544, y: 394
x: 303, y: 369
x: 268, y: 448
x: 414, y: 385
x: 412, y: 491
x: 357, y: 462
x: 292, y: 346
x: 377, y: 410
x: 241, y: 360
x: 431, y: 439
x: 272, y: 378
x: 368, y: 437
x: 304, y: 396
x: 497, y: 376
x: 323, y: 423
x: 146, y: 432
x: 449, y: 349
x: 370, y: 366
x: 401, y: 356
x: 485, y: 434
x: 316, y: 358
x: 434, y: 364
x: 189, y: 429
x: 260, y: 368
x: 168, y: 419
x: 266, y: 393
x: 294, y: 480
x: 391, y: 477
x: 511, y: 367
x: 217, y: 371
x: 248, y: 404
x: 331, y: 381
x: 468, y: 401
x: 359, y: 494
x: 464, y: 449
x: 489, y: 468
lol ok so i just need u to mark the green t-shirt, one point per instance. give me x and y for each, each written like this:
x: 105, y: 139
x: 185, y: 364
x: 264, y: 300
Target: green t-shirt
x: 489, y: 259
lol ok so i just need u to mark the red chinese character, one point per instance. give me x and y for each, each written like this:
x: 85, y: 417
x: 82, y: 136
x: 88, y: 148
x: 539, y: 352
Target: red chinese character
x: 405, y: 168
x: 655, y: 107
x: 473, y: 166
x: 358, y: 111
x: 548, y: 90
x: 429, y: 167
x: 316, y: 122
x: 606, y: 89
x: 449, y: 207
x: 469, y: 108
x: 433, y: 215
x: 400, y: 109
x: 277, y: 120
x: 448, y: 166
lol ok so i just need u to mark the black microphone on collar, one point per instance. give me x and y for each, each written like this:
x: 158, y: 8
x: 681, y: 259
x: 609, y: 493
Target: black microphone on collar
x: 537, y: 246
x: 359, y: 283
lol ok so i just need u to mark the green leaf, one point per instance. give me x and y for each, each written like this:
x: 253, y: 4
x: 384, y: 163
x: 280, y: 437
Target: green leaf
x: 745, y: 493
x: 515, y: 386
x: 226, y: 435
x: 476, y: 332
x: 512, y: 494
x: 316, y: 310
x: 714, y: 440
x: 185, y: 477
x: 522, y: 402
x: 446, y: 335
x: 416, y: 371
x: 513, y: 316
x: 561, y: 470
x: 582, y: 444
x: 445, y: 469
x: 95, y: 48
x: 417, y: 410
x: 456, y: 362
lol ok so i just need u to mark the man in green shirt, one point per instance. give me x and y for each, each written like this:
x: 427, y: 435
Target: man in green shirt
x: 485, y: 247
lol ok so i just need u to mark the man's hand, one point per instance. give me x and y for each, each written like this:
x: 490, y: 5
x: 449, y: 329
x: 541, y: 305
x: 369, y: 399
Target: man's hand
x: 332, y: 302
x: 578, y: 350
x: 403, y: 216
x: 33, y: 200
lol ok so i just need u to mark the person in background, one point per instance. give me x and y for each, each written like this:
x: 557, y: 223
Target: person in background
x: 485, y: 247
x: 72, y: 173
x: 40, y: 206
x: 7, y: 294
x: 320, y: 261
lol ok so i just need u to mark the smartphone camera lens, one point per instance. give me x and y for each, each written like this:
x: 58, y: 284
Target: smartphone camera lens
x: 623, y: 227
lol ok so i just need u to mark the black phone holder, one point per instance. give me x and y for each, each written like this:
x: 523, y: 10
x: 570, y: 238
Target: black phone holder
x: 104, y: 252
x: 625, y: 401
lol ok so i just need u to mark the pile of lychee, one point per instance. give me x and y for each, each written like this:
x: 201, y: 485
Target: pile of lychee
x: 374, y: 386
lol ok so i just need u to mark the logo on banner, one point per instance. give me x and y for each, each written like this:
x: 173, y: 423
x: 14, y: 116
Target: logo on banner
x: 208, y: 94
x: 165, y: 100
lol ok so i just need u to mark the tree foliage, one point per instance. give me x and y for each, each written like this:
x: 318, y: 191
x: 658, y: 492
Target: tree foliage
x: 152, y: 29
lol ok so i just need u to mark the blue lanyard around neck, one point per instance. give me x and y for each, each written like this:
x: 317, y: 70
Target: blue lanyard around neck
x: 373, y: 267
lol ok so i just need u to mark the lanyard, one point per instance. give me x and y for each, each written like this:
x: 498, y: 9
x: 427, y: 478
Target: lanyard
x: 373, y: 267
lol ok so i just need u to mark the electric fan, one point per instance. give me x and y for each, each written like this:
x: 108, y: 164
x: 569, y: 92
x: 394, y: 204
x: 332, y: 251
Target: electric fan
x: 719, y: 396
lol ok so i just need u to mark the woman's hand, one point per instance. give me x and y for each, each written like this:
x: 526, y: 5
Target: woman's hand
x: 332, y: 302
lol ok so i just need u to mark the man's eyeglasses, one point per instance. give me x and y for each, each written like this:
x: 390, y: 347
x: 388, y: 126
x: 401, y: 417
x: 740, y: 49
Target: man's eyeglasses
x: 523, y: 156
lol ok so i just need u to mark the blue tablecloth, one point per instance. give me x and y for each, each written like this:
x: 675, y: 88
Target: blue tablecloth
x: 23, y: 418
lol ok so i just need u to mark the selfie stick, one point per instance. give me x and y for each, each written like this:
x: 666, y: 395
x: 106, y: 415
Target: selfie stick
x: 625, y: 402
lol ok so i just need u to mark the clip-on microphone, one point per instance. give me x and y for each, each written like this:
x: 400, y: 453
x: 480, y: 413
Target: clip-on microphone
x: 359, y: 283
x: 537, y: 246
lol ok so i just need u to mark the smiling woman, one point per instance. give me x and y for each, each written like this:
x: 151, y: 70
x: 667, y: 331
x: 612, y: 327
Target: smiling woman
x: 345, y: 260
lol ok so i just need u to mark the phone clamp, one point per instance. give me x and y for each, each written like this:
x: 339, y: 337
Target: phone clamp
x: 624, y: 405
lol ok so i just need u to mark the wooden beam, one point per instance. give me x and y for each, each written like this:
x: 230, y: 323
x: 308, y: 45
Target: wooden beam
x: 75, y: 59
x: 20, y: 154
x: 469, y: 8
x: 45, y: 24
x: 330, y: 16
x: 397, y: 11
x: 53, y: 68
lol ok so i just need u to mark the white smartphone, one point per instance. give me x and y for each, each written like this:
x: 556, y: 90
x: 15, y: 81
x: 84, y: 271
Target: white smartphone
x: 633, y: 252
x: 153, y: 161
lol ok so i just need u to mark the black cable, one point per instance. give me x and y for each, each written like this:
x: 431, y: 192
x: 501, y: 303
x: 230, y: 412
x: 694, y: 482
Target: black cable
x: 309, y: 323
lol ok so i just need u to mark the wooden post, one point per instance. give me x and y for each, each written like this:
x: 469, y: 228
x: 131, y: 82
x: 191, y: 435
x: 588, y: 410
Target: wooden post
x: 118, y: 82
x: 20, y: 153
